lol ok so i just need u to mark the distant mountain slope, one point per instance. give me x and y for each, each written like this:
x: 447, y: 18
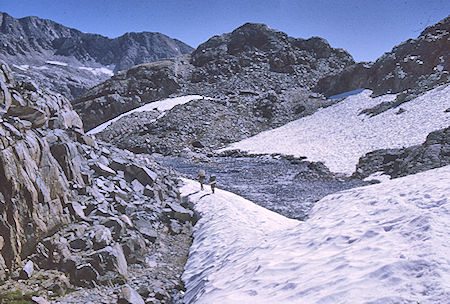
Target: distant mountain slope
x: 28, y: 44
x: 412, y: 67
x: 255, y: 70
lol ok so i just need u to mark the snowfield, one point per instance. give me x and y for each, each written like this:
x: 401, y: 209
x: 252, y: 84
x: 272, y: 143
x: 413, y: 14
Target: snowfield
x: 384, y: 243
x: 338, y: 136
x: 160, y: 105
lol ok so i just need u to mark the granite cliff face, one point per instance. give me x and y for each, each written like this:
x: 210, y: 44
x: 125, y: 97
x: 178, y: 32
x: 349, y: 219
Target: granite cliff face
x: 76, y: 213
x: 38, y: 163
x: 412, y: 67
x: 69, y: 61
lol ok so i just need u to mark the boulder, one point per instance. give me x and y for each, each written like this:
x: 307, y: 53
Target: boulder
x: 34, y: 115
x: 102, y: 236
x: 130, y: 296
x: 179, y: 212
x: 110, y: 259
x: 146, y: 229
x: 144, y: 175
x: 27, y: 270
x: 116, y: 225
x: 134, y: 248
x: 86, y: 274
x: 77, y: 210
x: 104, y: 170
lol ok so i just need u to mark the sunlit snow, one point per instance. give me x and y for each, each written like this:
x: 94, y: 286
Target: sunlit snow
x: 98, y: 71
x: 384, y: 243
x: 52, y: 62
x: 338, y: 136
x: 22, y: 67
x: 160, y: 105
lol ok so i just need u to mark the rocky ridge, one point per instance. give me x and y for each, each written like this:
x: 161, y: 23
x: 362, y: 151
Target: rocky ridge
x: 82, y: 221
x: 433, y: 153
x: 68, y: 61
x: 257, y: 73
x: 414, y: 66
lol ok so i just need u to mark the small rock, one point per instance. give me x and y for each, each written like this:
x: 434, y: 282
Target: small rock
x: 126, y: 220
x: 88, y: 140
x: 102, y: 237
x: 146, y: 229
x: 27, y: 271
x: 175, y: 227
x: 144, y: 175
x: 104, y: 170
x: 137, y: 186
x: 118, y: 164
x: 197, y: 144
x: 117, y: 226
x: 105, y: 151
x: 78, y: 244
x: 86, y: 273
x: 134, y: 249
x: 130, y: 296
x: 180, y: 213
x: 148, y: 191
x: 77, y: 210
x: 40, y: 300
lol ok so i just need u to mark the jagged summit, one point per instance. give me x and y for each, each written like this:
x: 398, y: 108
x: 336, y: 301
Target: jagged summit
x: 69, y: 61
x: 256, y: 37
x: 413, y: 66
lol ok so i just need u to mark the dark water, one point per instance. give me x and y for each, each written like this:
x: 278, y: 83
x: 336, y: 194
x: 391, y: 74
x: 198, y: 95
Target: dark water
x: 265, y: 180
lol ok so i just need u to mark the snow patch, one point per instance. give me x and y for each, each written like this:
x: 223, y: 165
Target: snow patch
x: 22, y: 67
x: 384, y: 243
x: 346, y: 94
x: 59, y: 63
x: 98, y: 71
x: 42, y: 67
x: 161, y: 105
x: 378, y: 176
x: 338, y: 136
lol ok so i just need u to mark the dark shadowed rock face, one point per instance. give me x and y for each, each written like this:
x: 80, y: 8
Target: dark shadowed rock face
x: 52, y: 54
x: 239, y: 68
x: 412, y: 67
x: 433, y: 153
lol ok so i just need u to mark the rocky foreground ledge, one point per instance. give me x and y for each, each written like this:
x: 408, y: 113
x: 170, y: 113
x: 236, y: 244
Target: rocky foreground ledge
x: 81, y: 221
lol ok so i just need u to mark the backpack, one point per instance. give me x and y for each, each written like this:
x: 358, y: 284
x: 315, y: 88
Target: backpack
x: 212, y: 178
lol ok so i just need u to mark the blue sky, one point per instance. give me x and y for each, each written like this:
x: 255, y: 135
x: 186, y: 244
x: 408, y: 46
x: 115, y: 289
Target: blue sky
x: 366, y: 29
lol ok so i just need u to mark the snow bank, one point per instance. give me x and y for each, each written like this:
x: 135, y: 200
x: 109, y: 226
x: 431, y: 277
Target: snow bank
x: 339, y: 137
x: 385, y: 243
x: 161, y: 105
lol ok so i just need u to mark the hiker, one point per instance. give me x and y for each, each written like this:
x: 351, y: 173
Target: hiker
x: 201, y: 177
x: 212, y: 182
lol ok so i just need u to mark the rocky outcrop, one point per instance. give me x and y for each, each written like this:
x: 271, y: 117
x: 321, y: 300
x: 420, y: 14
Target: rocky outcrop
x: 38, y: 165
x: 76, y: 213
x: 433, y: 153
x: 68, y: 61
x: 412, y: 67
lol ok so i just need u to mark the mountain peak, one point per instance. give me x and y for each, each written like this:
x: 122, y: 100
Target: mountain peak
x: 256, y: 37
